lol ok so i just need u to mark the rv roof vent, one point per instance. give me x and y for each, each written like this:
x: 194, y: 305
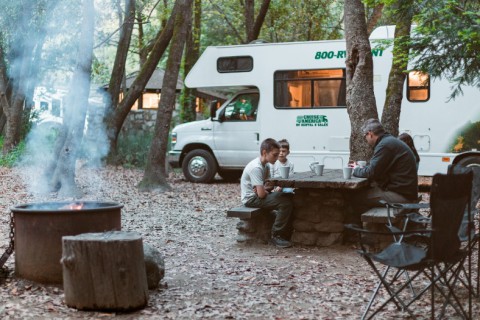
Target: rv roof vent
x: 258, y: 41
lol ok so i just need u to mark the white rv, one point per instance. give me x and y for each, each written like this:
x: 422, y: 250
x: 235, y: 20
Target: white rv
x: 296, y: 91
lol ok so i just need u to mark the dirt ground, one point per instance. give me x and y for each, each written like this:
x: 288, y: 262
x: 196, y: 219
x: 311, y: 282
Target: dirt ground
x: 208, y: 275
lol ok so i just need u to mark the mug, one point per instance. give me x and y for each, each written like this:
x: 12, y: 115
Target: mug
x: 319, y: 169
x: 284, y: 172
x: 312, y: 166
x: 347, y: 172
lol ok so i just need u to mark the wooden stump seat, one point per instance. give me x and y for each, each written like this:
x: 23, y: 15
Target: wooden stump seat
x: 104, y: 271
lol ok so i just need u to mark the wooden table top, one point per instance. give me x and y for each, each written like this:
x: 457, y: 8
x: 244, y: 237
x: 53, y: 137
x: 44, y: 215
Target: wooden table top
x: 331, y: 178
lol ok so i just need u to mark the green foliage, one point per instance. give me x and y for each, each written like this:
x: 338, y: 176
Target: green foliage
x: 133, y: 149
x: 286, y: 20
x: 11, y: 158
x: 29, y: 119
x: 447, y: 42
x: 468, y: 138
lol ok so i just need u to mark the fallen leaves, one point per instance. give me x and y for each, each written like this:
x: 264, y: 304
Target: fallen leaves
x: 208, y: 275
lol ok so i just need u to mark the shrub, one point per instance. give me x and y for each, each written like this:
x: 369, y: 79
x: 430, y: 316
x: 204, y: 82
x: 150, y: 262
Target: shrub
x: 11, y: 158
x: 133, y: 149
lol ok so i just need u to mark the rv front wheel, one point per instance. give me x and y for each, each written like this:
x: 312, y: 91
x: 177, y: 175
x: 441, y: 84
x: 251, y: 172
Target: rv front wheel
x: 199, y: 166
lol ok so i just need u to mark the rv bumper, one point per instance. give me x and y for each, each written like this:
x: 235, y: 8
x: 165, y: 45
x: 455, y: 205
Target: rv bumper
x: 174, y: 158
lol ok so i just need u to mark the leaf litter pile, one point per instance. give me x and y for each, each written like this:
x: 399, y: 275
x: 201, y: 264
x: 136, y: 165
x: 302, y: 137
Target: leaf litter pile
x: 208, y: 275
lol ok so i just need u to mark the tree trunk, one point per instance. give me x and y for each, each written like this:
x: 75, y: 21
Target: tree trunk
x: 118, y: 71
x: 359, y: 67
x: 19, y: 74
x: 142, y: 50
x: 154, y: 177
x: 104, y: 271
x: 115, y: 122
x: 373, y: 19
x: 396, y: 79
x: 192, y: 52
x: 253, y: 25
x: 62, y: 171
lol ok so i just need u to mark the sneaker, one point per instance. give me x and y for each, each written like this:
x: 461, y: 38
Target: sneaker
x: 281, y: 243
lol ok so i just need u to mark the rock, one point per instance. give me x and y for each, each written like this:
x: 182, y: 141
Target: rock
x: 303, y: 225
x: 306, y: 238
x: 328, y: 226
x: 328, y: 239
x: 154, y: 266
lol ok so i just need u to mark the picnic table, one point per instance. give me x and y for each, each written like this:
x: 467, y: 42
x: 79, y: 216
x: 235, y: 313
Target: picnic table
x: 321, y: 204
x: 331, y: 179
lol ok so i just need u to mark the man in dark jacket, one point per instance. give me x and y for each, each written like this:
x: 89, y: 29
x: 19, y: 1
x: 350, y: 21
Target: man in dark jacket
x: 392, y: 170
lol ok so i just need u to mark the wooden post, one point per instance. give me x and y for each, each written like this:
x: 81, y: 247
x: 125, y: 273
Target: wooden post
x: 104, y: 271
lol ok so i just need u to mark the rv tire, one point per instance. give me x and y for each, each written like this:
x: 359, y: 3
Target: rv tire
x: 472, y: 161
x: 199, y: 166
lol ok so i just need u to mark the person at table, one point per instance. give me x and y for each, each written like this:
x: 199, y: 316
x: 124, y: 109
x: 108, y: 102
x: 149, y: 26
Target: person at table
x: 405, y: 137
x: 257, y: 194
x: 392, y: 170
x: 282, y: 162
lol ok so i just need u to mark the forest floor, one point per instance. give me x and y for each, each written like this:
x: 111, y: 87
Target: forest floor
x: 208, y: 274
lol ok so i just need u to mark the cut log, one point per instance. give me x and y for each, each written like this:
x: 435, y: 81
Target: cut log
x: 104, y: 271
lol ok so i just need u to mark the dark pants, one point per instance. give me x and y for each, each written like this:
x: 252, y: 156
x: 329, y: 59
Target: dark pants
x: 363, y: 200
x: 283, y: 204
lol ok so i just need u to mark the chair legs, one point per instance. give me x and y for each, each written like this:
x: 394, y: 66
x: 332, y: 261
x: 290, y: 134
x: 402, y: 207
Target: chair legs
x: 442, y: 280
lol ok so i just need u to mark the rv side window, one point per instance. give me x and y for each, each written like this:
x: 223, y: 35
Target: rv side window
x: 235, y: 64
x: 318, y: 88
x: 418, y: 86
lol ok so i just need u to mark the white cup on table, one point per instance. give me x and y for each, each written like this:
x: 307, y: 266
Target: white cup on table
x: 318, y: 168
x: 312, y: 166
x: 284, y: 172
x: 347, y: 172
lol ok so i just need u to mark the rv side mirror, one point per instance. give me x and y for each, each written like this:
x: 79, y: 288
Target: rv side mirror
x: 213, y: 109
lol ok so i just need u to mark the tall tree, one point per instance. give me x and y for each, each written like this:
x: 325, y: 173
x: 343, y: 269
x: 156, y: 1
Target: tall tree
x: 192, y: 52
x: 62, y: 168
x: 402, y: 14
x: 154, y: 177
x: 314, y: 20
x: 118, y: 70
x: 251, y: 24
x: 361, y: 103
x: 115, y: 121
x: 254, y: 24
x: 21, y: 43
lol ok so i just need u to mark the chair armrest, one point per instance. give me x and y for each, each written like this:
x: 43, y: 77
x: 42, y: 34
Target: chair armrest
x: 356, y: 228
x: 410, y: 206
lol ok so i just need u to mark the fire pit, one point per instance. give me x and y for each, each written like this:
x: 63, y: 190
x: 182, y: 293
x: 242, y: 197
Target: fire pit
x: 39, y: 228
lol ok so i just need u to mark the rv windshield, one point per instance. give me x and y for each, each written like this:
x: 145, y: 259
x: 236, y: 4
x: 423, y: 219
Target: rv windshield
x: 242, y: 108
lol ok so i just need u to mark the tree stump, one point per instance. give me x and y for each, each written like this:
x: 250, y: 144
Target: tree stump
x: 104, y: 271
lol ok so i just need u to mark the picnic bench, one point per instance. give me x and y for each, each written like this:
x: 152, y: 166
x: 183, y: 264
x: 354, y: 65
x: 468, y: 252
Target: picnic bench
x: 255, y: 224
x: 320, y: 207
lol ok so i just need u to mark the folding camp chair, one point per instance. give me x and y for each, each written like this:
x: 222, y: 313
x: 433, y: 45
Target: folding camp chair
x: 475, y: 234
x: 440, y: 260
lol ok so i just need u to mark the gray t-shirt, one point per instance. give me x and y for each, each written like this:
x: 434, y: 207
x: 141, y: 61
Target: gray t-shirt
x: 254, y: 174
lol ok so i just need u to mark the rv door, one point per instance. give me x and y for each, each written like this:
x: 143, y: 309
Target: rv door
x: 236, y: 134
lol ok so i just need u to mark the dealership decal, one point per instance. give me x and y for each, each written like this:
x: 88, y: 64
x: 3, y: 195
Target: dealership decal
x: 312, y: 121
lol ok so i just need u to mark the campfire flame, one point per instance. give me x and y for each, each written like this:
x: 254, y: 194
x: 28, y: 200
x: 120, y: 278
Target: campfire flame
x: 73, y: 206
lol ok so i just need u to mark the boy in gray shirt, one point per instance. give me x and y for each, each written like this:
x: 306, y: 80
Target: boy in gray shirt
x: 257, y: 194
